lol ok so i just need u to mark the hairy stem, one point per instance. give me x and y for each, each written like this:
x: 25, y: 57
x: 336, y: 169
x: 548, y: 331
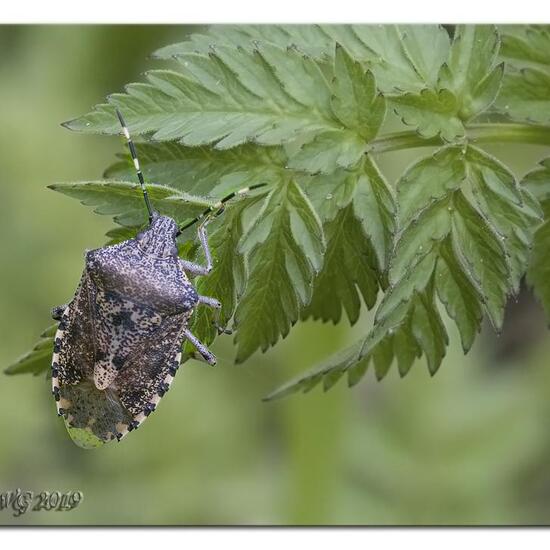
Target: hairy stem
x: 475, y: 133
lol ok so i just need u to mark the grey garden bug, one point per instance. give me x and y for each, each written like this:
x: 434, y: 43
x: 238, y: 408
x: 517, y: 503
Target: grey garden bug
x: 119, y: 341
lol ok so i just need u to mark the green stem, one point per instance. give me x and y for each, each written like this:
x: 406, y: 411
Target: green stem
x: 475, y: 133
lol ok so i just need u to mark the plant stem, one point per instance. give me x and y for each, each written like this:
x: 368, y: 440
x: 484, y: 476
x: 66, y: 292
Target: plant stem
x: 475, y: 133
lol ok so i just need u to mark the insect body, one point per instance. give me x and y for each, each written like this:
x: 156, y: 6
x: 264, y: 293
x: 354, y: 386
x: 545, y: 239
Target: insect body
x: 118, y: 343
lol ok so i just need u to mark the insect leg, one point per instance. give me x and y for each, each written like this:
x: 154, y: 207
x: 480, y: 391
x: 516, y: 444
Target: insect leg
x: 197, y: 357
x: 208, y: 356
x: 216, y: 304
x: 197, y: 269
x: 208, y: 301
x: 57, y: 312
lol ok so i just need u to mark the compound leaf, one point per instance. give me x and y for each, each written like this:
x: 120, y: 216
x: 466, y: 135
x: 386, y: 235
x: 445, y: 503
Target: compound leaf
x: 403, y: 58
x: 201, y: 170
x: 465, y: 231
x: 290, y: 97
x: 124, y: 200
x: 285, y: 246
x: 359, y: 238
x: 347, y: 271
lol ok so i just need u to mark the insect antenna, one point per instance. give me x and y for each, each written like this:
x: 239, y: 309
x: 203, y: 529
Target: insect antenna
x: 218, y: 208
x: 133, y: 153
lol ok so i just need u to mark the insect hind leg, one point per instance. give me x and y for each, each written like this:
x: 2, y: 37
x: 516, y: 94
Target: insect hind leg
x: 207, y: 355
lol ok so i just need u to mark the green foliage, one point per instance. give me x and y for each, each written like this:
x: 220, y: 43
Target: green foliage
x: 525, y: 93
x: 285, y: 244
x: 457, y: 243
x: 304, y: 110
x: 358, y: 210
x: 538, y: 273
x: 124, y: 200
x: 38, y: 359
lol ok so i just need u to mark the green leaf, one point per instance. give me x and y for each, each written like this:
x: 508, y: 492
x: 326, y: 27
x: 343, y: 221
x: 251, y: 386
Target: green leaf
x: 357, y: 105
x: 124, y: 200
x: 119, y: 234
x: 525, y: 92
x: 433, y: 113
x: 427, y: 46
x: 39, y: 359
x: 328, y: 152
x: 538, y: 273
x: 355, y: 101
x: 526, y: 95
x: 463, y: 87
x: 513, y: 212
x: 347, y: 271
x: 432, y: 110
x: 471, y: 73
x: 175, y: 106
x: 285, y: 246
x: 403, y: 58
x: 310, y: 39
x: 201, y: 170
x: 270, y: 96
x: 461, y: 299
x: 465, y: 232
x: 358, y: 211
x: 267, y: 96
x: 351, y: 263
x: 374, y: 206
x: 401, y: 336
x: 526, y: 45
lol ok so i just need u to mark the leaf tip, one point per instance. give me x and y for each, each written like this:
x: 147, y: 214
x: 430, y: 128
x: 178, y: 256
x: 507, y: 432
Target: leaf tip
x: 69, y: 124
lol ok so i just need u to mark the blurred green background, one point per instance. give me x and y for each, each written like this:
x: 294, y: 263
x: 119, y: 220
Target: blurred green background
x: 468, y: 446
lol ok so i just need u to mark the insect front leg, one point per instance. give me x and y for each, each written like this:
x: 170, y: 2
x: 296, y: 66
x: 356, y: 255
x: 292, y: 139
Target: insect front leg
x: 197, y: 269
x: 207, y: 355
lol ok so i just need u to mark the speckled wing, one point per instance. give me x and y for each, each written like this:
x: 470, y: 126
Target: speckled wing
x: 149, y: 371
x: 74, y: 348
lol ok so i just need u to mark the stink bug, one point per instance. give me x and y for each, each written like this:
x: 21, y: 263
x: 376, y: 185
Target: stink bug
x: 118, y: 344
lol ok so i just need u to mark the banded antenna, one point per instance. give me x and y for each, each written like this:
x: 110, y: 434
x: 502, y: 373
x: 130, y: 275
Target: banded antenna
x: 218, y: 208
x: 133, y: 153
